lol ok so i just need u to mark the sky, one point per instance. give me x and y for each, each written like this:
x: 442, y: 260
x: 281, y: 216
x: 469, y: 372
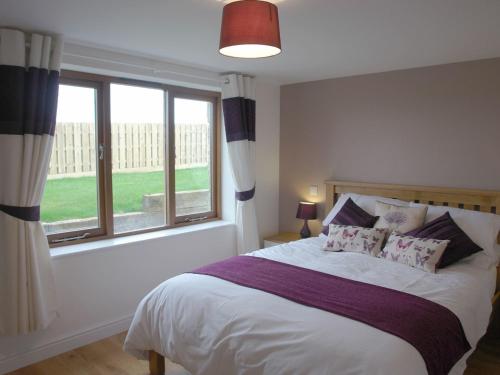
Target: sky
x: 128, y: 104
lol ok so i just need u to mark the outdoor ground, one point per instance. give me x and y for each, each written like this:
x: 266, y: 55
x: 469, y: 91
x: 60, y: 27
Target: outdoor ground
x: 75, y: 198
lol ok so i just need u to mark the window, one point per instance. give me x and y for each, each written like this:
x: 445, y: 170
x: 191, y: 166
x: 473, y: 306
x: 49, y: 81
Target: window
x: 71, y: 202
x: 138, y: 158
x: 193, y: 123
x: 129, y: 157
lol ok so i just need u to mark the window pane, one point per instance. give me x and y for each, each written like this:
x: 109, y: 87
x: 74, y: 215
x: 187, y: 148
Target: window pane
x: 138, y: 149
x: 70, y: 200
x: 193, y: 127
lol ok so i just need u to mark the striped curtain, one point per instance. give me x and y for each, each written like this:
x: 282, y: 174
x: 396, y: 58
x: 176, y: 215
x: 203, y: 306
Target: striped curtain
x: 238, y: 103
x: 29, y: 78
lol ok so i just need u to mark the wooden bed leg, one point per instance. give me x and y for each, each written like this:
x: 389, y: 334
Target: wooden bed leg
x: 156, y: 363
x: 496, y: 298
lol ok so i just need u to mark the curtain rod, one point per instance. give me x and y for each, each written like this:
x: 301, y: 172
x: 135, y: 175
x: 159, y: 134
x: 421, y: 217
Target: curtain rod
x: 156, y: 71
x: 147, y: 67
x: 227, y: 81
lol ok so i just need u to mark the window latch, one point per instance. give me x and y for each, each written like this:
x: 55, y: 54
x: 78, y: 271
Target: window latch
x: 80, y: 237
x: 101, y: 151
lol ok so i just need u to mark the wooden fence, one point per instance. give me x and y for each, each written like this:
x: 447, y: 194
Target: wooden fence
x: 134, y: 147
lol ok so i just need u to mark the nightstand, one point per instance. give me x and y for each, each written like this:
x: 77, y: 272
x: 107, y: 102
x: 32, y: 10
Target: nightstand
x: 280, y: 238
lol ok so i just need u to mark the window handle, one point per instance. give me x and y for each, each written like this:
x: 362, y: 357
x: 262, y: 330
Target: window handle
x: 81, y: 237
x: 101, y: 151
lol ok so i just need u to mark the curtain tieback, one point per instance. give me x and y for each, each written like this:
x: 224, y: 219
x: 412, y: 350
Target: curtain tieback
x: 22, y: 213
x: 245, y: 195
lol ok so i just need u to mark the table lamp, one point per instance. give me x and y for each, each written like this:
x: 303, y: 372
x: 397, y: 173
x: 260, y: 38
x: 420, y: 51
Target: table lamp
x: 306, y: 211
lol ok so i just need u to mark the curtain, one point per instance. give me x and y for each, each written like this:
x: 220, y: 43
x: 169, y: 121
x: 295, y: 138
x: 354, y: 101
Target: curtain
x: 29, y: 78
x: 238, y: 104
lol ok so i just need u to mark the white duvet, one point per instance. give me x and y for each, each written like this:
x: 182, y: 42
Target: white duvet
x: 212, y: 326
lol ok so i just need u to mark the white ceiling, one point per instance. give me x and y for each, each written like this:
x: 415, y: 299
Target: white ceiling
x: 320, y: 38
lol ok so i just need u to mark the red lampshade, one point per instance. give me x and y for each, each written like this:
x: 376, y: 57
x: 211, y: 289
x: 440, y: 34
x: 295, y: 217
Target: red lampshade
x: 306, y: 211
x: 250, y: 29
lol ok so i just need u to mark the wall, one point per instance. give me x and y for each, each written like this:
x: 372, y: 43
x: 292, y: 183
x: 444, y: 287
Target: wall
x: 267, y: 157
x: 437, y: 125
x: 99, y: 289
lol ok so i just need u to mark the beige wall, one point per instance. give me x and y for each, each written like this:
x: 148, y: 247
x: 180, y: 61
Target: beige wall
x: 437, y: 126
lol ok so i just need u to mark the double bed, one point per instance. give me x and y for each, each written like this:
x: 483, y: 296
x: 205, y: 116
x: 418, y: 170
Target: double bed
x: 213, y: 326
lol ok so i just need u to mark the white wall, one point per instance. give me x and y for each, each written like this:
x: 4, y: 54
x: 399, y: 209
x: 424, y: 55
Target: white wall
x: 100, y: 289
x: 116, y: 63
x: 267, y: 157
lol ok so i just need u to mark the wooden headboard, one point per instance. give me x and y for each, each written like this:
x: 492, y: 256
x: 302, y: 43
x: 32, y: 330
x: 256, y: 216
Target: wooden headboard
x: 469, y: 199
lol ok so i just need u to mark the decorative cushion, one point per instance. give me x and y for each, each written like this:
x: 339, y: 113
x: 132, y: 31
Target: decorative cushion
x: 366, y: 202
x: 352, y: 214
x: 445, y: 228
x: 355, y: 239
x: 423, y: 253
x: 481, y: 227
x: 399, y: 219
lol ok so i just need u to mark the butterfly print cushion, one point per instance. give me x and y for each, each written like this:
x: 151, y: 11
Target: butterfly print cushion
x: 423, y: 253
x: 355, y: 239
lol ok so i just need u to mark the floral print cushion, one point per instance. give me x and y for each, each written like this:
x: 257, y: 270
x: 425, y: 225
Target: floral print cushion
x: 423, y: 253
x: 399, y: 219
x: 355, y: 239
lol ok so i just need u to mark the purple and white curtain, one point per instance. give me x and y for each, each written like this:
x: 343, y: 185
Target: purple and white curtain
x: 238, y: 103
x: 29, y: 78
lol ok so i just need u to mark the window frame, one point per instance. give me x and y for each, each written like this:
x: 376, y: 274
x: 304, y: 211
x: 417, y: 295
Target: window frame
x: 214, y: 156
x: 57, y: 239
x: 102, y: 85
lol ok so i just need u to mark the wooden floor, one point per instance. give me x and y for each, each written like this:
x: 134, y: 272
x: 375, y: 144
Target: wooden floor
x: 486, y: 359
x: 104, y: 357
x: 107, y: 358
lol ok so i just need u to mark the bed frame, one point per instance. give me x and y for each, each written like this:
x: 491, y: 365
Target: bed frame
x: 469, y: 199
x: 476, y: 200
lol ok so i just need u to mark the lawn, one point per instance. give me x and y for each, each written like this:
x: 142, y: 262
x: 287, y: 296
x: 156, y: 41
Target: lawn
x: 75, y: 198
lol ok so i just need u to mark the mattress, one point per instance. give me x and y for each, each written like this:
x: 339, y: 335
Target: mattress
x: 211, y: 326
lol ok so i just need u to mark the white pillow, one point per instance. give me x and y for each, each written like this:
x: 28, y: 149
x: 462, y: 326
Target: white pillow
x: 355, y: 239
x: 366, y: 202
x: 336, y: 208
x: 423, y: 253
x: 398, y: 218
x: 481, y: 227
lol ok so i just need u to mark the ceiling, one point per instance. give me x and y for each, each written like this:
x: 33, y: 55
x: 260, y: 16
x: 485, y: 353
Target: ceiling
x: 321, y: 38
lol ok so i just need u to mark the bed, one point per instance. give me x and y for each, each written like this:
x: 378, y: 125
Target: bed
x: 212, y: 326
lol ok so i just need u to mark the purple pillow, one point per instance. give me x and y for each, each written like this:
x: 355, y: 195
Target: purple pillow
x: 352, y: 214
x: 445, y: 228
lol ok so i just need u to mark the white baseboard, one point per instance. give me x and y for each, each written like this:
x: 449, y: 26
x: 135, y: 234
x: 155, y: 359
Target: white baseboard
x: 65, y: 344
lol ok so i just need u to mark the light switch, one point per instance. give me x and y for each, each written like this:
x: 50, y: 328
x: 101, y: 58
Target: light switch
x: 313, y: 190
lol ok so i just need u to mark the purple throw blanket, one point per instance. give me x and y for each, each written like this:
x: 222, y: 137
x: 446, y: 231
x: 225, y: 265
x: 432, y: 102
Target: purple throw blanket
x: 431, y: 328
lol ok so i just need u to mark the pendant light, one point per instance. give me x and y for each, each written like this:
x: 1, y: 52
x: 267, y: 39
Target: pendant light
x: 250, y: 29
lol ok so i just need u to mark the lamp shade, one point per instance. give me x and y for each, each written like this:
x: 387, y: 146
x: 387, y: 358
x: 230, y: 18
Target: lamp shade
x: 306, y: 211
x: 250, y: 29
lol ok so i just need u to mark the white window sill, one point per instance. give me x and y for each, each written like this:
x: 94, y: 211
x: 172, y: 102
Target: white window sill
x: 68, y: 250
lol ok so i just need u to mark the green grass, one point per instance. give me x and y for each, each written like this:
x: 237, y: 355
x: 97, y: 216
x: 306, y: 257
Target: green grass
x: 75, y: 198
